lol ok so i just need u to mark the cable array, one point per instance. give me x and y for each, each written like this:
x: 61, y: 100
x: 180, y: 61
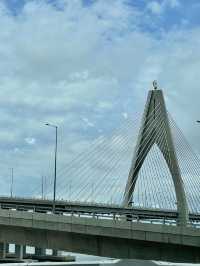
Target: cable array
x: 98, y: 177
x: 189, y: 164
x: 93, y: 176
x: 95, y: 172
x: 99, y: 174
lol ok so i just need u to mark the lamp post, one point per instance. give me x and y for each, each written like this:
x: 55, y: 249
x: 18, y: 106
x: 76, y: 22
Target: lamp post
x: 55, y: 165
x: 11, y: 185
x: 42, y: 187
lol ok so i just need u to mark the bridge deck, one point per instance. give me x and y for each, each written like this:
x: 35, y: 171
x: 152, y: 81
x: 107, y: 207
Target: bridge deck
x: 44, y: 206
x: 108, y: 238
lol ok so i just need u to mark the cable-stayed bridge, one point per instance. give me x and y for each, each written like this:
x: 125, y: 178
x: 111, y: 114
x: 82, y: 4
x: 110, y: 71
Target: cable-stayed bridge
x: 155, y: 214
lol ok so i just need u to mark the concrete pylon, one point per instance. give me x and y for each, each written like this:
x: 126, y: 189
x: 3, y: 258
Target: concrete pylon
x: 24, y: 251
x: 54, y: 252
x: 7, y: 248
x: 40, y: 251
x: 3, y: 250
x: 19, y: 252
x: 155, y: 129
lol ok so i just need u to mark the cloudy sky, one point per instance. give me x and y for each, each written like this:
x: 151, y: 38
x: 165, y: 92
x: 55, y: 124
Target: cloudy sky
x: 87, y: 66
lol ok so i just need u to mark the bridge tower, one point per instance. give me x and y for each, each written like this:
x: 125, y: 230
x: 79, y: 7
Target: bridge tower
x: 155, y: 129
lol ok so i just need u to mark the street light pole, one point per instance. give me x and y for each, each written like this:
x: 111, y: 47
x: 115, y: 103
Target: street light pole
x: 55, y: 165
x: 42, y: 187
x: 55, y: 171
x: 11, y: 185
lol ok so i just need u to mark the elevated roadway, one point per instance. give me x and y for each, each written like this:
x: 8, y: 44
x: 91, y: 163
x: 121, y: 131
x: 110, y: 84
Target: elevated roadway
x: 101, y: 237
x: 45, y: 206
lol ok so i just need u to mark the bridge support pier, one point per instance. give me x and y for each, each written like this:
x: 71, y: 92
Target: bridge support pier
x: 40, y: 251
x: 19, y: 251
x: 7, y: 248
x: 24, y: 251
x: 54, y: 252
x: 3, y: 250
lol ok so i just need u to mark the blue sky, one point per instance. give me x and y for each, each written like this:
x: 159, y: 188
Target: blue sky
x: 164, y: 14
x: 87, y: 66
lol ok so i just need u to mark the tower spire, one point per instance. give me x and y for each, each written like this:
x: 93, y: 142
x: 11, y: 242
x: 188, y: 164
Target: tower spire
x: 155, y: 129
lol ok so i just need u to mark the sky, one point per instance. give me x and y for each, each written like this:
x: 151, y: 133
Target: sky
x: 87, y: 66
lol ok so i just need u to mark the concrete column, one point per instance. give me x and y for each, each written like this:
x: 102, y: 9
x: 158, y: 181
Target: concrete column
x: 7, y: 248
x: 54, y: 252
x: 19, y: 251
x: 40, y: 251
x: 24, y: 251
x: 3, y: 250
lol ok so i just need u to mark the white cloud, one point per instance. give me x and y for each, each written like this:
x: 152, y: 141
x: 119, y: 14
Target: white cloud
x: 105, y: 105
x: 125, y: 115
x: 173, y: 3
x: 87, y: 122
x: 30, y: 141
x: 159, y: 8
x: 155, y: 7
x: 79, y: 75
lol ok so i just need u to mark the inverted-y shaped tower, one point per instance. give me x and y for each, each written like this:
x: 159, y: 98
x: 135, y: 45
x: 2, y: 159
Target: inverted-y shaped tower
x: 155, y: 129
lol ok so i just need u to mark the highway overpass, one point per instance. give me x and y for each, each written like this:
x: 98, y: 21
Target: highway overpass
x: 101, y: 237
x: 45, y: 206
